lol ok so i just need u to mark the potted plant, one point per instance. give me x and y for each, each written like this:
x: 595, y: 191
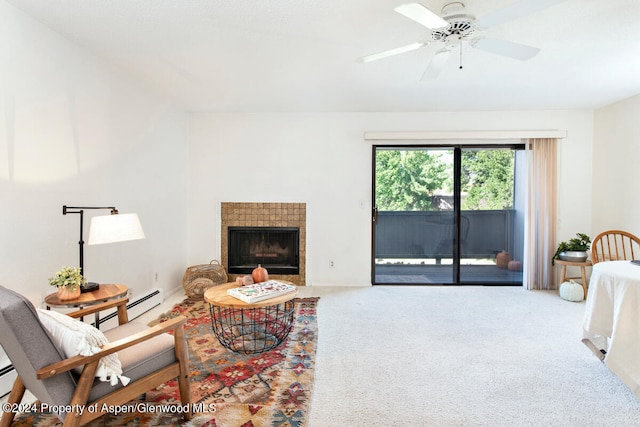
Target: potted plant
x: 573, y: 250
x: 68, y: 281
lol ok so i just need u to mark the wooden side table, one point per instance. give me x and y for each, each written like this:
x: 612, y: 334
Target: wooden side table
x: 583, y: 273
x: 102, y: 294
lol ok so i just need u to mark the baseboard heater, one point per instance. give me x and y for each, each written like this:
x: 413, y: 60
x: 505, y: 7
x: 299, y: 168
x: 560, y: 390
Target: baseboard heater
x: 108, y: 320
x: 7, y: 375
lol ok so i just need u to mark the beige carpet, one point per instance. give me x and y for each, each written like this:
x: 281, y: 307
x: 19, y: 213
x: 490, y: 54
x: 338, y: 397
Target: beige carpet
x: 459, y: 356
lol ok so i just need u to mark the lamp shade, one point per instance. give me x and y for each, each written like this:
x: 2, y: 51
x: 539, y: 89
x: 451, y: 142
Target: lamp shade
x: 115, y: 228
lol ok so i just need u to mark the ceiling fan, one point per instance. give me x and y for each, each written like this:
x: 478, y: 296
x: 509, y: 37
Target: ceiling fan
x: 455, y: 25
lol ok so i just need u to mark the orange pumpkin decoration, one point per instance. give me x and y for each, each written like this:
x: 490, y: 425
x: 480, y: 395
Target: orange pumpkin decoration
x: 244, y: 280
x: 502, y: 259
x: 260, y: 274
x: 515, y: 266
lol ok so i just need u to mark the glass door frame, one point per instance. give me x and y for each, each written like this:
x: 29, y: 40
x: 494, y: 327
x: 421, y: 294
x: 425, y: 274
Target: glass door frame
x: 457, y: 212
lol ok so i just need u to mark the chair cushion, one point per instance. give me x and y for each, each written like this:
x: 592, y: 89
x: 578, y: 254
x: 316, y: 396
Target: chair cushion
x: 75, y: 337
x: 139, y: 360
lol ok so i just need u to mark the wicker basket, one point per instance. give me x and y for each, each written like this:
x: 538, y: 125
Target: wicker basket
x: 198, y: 278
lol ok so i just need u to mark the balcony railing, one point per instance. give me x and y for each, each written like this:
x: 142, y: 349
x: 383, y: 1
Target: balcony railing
x: 429, y: 234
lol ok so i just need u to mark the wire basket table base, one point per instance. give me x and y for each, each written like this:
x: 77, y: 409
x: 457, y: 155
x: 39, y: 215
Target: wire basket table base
x: 252, y: 330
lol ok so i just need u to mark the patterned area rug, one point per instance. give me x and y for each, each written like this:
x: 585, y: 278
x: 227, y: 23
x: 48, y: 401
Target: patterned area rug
x: 228, y: 389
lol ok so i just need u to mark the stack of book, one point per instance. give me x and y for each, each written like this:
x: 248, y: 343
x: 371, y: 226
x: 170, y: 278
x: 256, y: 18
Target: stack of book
x: 261, y: 291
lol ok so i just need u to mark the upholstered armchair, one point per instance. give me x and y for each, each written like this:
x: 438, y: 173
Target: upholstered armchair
x: 148, y: 358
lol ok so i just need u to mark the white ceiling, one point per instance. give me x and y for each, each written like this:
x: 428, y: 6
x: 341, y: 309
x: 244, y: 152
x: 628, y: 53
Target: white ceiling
x: 293, y: 55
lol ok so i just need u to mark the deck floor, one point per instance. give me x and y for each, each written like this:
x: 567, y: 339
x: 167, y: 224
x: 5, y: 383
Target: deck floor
x: 443, y: 274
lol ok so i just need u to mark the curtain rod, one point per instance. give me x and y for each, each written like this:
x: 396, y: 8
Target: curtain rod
x: 466, y: 134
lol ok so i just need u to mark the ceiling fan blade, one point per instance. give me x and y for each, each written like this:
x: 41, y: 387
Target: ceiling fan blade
x: 391, y: 52
x: 514, y: 11
x: 422, y: 15
x: 436, y: 64
x: 505, y: 48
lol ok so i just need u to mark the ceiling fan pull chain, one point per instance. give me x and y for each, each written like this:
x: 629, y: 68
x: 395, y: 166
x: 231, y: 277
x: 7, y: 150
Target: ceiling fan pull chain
x: 461, y: 53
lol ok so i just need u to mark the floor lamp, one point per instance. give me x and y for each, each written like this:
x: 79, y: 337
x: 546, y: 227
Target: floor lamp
x: 104, y: 229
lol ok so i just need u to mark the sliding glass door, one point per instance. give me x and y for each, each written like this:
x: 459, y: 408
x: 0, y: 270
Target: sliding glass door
x: 442, y: 215
x: 413, y: 215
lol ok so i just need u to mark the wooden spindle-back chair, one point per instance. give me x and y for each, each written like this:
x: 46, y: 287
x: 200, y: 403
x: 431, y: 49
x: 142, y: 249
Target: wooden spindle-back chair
x: 615, y: 245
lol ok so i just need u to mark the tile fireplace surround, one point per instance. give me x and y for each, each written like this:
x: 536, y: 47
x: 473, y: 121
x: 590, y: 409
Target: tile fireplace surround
x: 265, y: 215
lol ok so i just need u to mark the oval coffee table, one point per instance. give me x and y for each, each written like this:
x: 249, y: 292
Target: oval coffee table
x: 249, y: 328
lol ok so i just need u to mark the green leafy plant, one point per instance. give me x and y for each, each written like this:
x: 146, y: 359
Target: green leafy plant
x: 69, y: 277
x: 580, y: 243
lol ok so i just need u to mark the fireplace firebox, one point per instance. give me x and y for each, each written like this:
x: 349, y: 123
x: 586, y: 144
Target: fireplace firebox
x: 275, y: 248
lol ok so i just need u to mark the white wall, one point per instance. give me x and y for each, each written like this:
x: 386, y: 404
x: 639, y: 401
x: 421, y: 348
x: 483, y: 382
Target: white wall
x: 322, y: 159
x: 616, y: 151
x: 76, y: 131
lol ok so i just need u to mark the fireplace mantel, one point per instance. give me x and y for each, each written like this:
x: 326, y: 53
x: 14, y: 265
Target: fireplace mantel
x: 247, y: 214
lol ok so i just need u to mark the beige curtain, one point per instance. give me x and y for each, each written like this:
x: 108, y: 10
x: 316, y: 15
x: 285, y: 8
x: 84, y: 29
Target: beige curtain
x: 540, y: 218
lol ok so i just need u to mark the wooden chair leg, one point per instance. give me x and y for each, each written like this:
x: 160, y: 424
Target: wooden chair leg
x: 584, y: 280
x: 81, y: 394
x: 183, y: 377
x: 17, y: 392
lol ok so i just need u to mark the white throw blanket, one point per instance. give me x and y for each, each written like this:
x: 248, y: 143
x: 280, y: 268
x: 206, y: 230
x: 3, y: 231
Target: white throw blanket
x: 78, y: 338
x: 611, y: 318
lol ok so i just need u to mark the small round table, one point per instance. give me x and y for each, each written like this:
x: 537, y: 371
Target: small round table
x: 102, y: 294
x: 583, y: 274
x: 249, y: 328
